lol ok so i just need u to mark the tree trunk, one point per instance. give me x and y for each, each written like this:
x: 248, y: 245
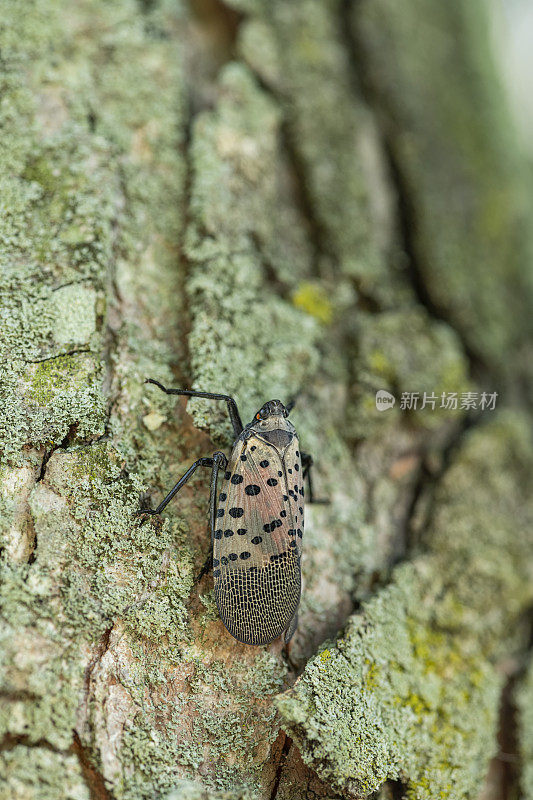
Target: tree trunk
x: 267, y: 199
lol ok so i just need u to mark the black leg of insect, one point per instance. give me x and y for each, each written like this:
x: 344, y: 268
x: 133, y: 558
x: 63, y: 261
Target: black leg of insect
x: 307, y: 464
x: 257, y: 522
x: 214, y: 462
x: 234, y: 415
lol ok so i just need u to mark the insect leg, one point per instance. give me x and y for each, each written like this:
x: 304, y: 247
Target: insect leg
x: 219, y: 462
x: 201, y: 462
x: 292, y: 401
x: 232, y: 405
x: 307, y: 463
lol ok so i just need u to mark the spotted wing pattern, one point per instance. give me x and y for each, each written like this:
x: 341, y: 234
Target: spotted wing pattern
x: 257, y: 540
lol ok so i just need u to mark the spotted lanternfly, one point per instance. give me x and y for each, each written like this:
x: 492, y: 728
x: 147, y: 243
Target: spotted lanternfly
x: 257, y: 522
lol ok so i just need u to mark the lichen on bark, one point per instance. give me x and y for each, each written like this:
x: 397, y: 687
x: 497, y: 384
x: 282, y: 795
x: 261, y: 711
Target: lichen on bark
x: 214, y: 195
x: 410, y: 690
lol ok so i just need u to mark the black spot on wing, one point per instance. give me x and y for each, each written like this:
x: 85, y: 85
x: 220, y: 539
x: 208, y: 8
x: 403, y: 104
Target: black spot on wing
x: 271, y: 526
x: 236, y: 512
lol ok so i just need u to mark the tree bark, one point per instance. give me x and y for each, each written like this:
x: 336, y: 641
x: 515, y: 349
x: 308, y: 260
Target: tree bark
x: 307, y: 199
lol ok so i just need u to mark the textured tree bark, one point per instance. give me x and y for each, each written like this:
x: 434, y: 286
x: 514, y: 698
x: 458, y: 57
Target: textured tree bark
x: 269, y: 199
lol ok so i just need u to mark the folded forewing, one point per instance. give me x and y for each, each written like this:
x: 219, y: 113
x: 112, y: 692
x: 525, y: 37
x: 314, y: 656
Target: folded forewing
x: 257, y: 540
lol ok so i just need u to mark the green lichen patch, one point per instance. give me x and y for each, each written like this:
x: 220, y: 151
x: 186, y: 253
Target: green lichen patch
x: 120, y: 566
x: 91, y: 175
x: 221, y: 724
x: 482, y: 530
x: 75, y: 314
x: 244, y: 339
x: 189, y: 790
x: 40, y: 772
x: 51, y: 399
x: 40, y: 671
x: 395, y: 700
x: 410, y: 691
x: 56, y: 183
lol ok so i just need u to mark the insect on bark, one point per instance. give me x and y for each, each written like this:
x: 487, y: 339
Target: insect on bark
x: 256, y: 521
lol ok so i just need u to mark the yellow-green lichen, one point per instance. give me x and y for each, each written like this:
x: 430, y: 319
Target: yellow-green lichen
x: 313, y: 299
